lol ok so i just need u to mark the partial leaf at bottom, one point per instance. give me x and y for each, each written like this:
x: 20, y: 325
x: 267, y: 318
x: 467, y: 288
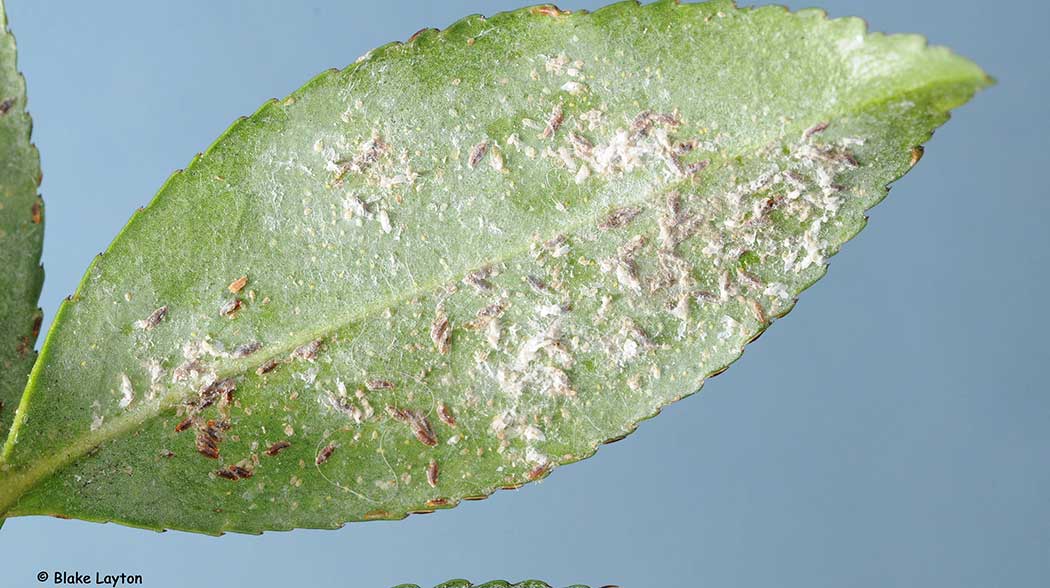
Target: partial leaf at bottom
x: 464, y: 261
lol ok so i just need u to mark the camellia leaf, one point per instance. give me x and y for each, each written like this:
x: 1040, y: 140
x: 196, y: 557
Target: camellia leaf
x: 465, y: 260
x: 21, y: 232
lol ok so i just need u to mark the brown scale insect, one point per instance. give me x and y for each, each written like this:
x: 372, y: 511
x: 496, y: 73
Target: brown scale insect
x: 237, y: 285
x: 477, y: 152
x: 209, y: 393
x: 758, y: 311
x: 307, y: 351
x: 154, y: 318
x: 374, y: 385
x: 548, y: 10
x: 417, y: 422
x: 37, y: 213
x: 207, y: 446
x: 226, y: 474
x: 6, y: 105
x: 539, y: 471
x: 184, y: 424
x: 491, y: 311
x: 445, y: 414
x: 229, y: 310
x: 815, y: 129
x: 277, y: 448
x: 416, y: 34
x: 437, y: 502
x: 684, y: 147
x: 240, y: 471
x: 537, y: 284
x: 478, y: 280
x: 441, y: 334
x: 696, y: 167
x: 324, y: 454
x: 554, y: 121
x: 916, y: 154
x: 267, y: 367
x: 618, y: 218
x: 432, y: 473
x: 246, y: 349
x: 580, y: 143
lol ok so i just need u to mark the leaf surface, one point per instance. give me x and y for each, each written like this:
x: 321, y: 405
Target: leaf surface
x: 465, y: 260
x: 21, y: 232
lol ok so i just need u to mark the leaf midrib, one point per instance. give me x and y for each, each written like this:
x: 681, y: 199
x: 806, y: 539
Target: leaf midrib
x: 13, y: 487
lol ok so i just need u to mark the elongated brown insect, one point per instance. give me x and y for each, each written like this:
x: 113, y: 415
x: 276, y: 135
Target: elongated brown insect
x: 476, y: 153
x: 227, y: 474
x: 538, y: 285
x: 239, y: 471
x: 580, y: 143
x: 307, y: 351
x: 478, y: 280
x: 432, y: 473
x: 246, y: 349
x: 445, y: 414
x: 153, y: 319
x: 417, y: 422
x: 36, y: 213
x: 554, y: 122
x: 379, y: 385
x: 237, y: 285
x: 441, y: 334
x: 325, y: 453
x: 696, y: 167
x: 209, y: 393
x: 277, y: 448
x: 184, y: 424
x: 229, y: 310
x: 548, y: 10
x: 206, y: 446
x: 813, y: 130
x: 267, y: 367
x: 618, y: 218
x: 539, y: 471
x: 6, y: 105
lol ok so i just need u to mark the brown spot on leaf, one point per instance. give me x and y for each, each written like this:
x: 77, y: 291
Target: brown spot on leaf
x: 37, y: 213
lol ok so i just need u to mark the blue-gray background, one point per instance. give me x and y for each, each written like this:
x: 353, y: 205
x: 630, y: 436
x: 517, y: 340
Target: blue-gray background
x: 894, y: 430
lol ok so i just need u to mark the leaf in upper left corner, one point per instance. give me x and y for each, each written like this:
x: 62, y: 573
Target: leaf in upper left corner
x: 21, y: 232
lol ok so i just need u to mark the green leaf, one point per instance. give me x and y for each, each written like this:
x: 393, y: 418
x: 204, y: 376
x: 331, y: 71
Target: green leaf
x: 21, y: 232
x: 468, y: 259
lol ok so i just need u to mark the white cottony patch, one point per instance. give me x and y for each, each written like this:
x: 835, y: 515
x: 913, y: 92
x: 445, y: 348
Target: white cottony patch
x: 384, y: 221
x: 813, y: 247
x: 778, y: 290
x: 730, y: 328
x: 96, y: 419
x: 574, y: 87
x: 127, y: 391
